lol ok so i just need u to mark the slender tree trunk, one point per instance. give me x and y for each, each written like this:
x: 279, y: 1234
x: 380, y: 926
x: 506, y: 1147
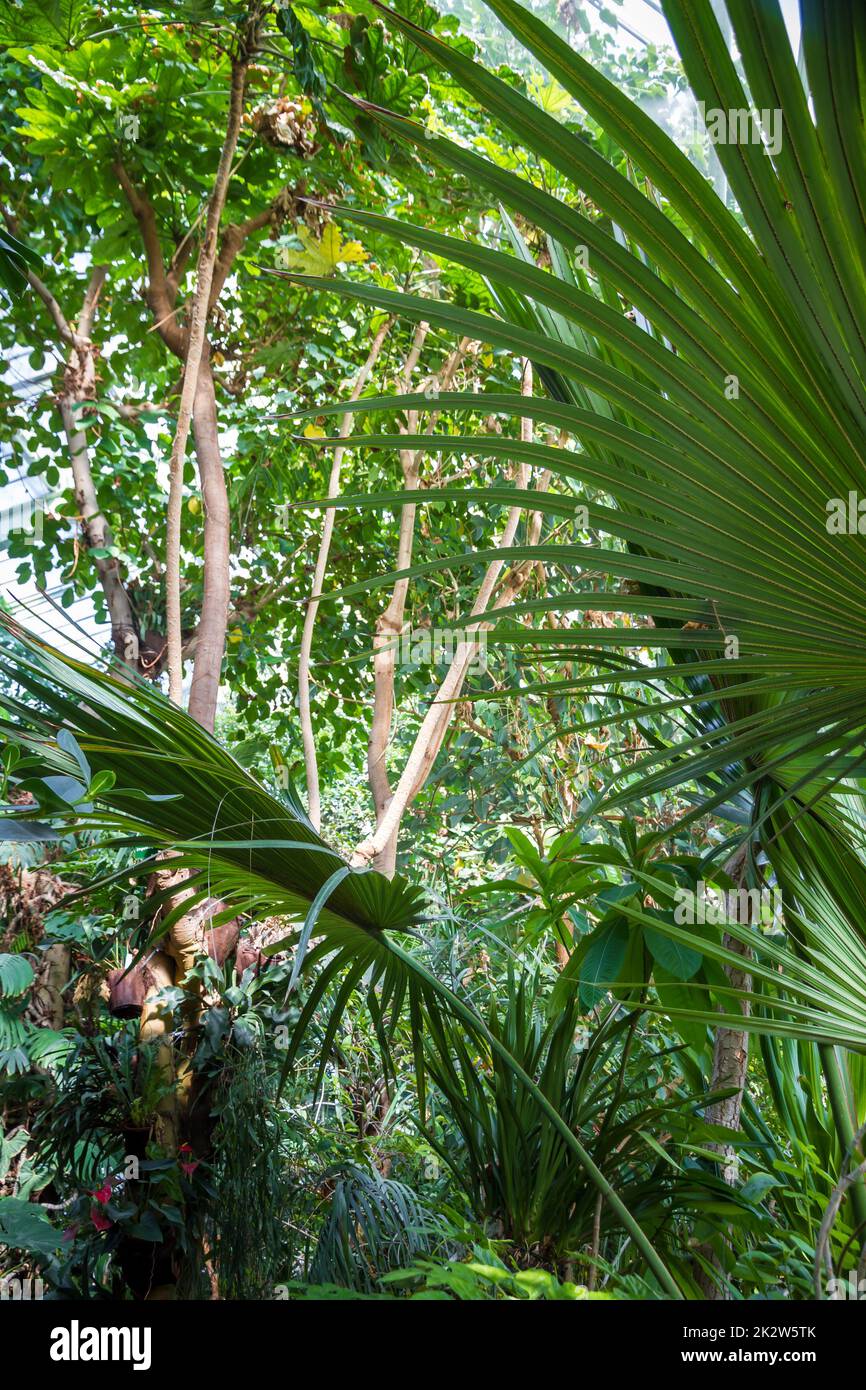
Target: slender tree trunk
x: 731, y: 1061
x: 314, y: 805
x: 124, y: 631
x: 193, y: 356
x: 189, y: 344
x: 435, y: 724
x: 211, y: 634
x: 730, y: 1070
x: 79, y: 387
x: 389, y: 624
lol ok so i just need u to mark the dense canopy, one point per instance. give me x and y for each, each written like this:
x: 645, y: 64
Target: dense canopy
x: 433, y: 843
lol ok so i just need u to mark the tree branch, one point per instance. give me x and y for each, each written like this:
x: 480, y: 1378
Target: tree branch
x: 232, y: 240
x: 161, y: 295
x: 53, y: 308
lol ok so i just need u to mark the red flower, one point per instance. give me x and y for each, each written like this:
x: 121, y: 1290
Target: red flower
x: 99, y: 1219
x: 103, y: 1193
x: 188, y: 1165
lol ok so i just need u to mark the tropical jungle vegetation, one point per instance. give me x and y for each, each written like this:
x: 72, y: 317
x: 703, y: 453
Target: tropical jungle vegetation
x: 432, y: 735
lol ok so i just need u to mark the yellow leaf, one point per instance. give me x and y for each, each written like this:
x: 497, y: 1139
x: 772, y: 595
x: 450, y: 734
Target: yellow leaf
x: 322, y: 257
x: 329, y: 246
x: 352, y: 251
x: 313, y: 432
x: 550, y: 96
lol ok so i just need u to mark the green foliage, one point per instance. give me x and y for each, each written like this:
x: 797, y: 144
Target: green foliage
x: 106, y: 1085
x: 517, y: 1032
x: 21, y: 1045
x: 373, y: 1226
x: 486, y: 1277
x: 15, y: 258
x: 252, y: 1182
x: 26, y: 1227
x: 511, y: 1160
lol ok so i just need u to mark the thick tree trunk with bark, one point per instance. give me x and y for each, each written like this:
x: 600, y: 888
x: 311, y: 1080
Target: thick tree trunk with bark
x: 48, y: 1004
x: 731, y: 1062
x: 730, y: 1070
